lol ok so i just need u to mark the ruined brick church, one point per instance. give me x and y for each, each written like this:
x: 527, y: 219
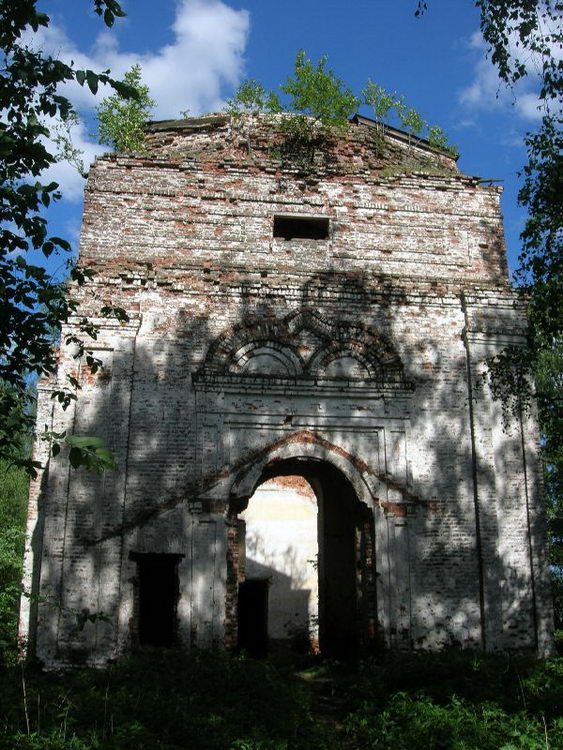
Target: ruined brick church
x: 306, y: 450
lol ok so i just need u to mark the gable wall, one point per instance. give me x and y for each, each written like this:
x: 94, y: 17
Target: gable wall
x: 187, y: 249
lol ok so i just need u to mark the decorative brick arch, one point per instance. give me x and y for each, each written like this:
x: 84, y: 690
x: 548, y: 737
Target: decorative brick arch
x: 308, y: 445
x: 376, y: 358
x: 289, y: 361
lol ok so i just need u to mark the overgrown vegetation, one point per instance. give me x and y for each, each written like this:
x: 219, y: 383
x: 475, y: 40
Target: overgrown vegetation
x: 34, y: 304
x: 320, y: 105
x: 456, y: 700
x: 13, y: 505
x: 121, y: 120
x: 385, y: 105
x: 319, y: 102
x: 161, y: 701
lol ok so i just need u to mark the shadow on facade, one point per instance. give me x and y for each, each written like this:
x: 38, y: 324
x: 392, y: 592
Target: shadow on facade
x: 432, y: 573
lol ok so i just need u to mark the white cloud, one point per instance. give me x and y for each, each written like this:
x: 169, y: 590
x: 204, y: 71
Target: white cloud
x: 207, y: 53
x: 486, y: 88
x: 72, y: 230
x: 486, y: 91
x: 528, y: 106
x: 466, y: 124
x: 210, y: 42
x: 67, y: 175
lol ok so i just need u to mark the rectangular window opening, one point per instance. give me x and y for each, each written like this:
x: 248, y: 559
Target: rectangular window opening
x: 301, y: 227
x: 158, y: 594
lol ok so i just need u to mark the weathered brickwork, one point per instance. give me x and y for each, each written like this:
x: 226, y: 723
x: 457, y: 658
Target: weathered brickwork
x: 353, y: 360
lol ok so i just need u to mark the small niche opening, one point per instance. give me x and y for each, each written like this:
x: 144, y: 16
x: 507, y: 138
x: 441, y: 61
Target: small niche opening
x: 301, y: 227
x: 158, y: 598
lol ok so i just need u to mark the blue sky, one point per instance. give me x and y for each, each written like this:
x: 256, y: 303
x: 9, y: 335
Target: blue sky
x: 194, y: 53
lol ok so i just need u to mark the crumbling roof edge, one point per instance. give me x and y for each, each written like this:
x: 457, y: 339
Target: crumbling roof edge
x: 189, y: 123
x: 216, y: 119
x: 401, y: 135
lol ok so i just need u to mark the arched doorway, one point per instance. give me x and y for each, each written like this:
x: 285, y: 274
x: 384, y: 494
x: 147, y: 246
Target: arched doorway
x: 343, y: 620
x: 278, y: 598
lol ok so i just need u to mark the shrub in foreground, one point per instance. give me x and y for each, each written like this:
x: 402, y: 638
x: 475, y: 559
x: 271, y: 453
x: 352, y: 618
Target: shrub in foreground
x: 174, y: 701
x: 167, y: 701
x: 408, y: 722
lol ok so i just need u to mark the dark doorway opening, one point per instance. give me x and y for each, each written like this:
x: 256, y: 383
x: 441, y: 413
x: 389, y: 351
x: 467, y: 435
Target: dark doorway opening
x: 338, y: 571
x: 158, y: 592
x: 253, y: 617
x: 346, y: 578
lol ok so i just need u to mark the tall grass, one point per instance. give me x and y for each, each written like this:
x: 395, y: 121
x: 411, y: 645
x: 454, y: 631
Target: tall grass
x: 172, y: 701
x: 13, y: 504
x: 164, y: 701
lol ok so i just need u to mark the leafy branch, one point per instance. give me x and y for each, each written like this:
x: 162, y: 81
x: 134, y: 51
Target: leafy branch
x: 34, y: 304
x: 319, y: 102
x: 384, y: 104
x: 87, y: 451
x: 320, y: 105
x: 121, y: 119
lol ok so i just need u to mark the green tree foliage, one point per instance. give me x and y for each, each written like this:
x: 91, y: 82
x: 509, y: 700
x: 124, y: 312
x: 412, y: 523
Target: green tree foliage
x: 386, y: 105
x: 321, y: 105
x: 536, y: 27
x: 438, y: 139
x: 251, y: 98
x: 66, y: 150
x: 13, y: 503
x: 380, y: 100
x: 525, y: 37
x: 34, y: 304
x: 412, y: 121
x: 318, y: 94
x: 319, y: 101
x: 121, y: 120
x: 521, y: 33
